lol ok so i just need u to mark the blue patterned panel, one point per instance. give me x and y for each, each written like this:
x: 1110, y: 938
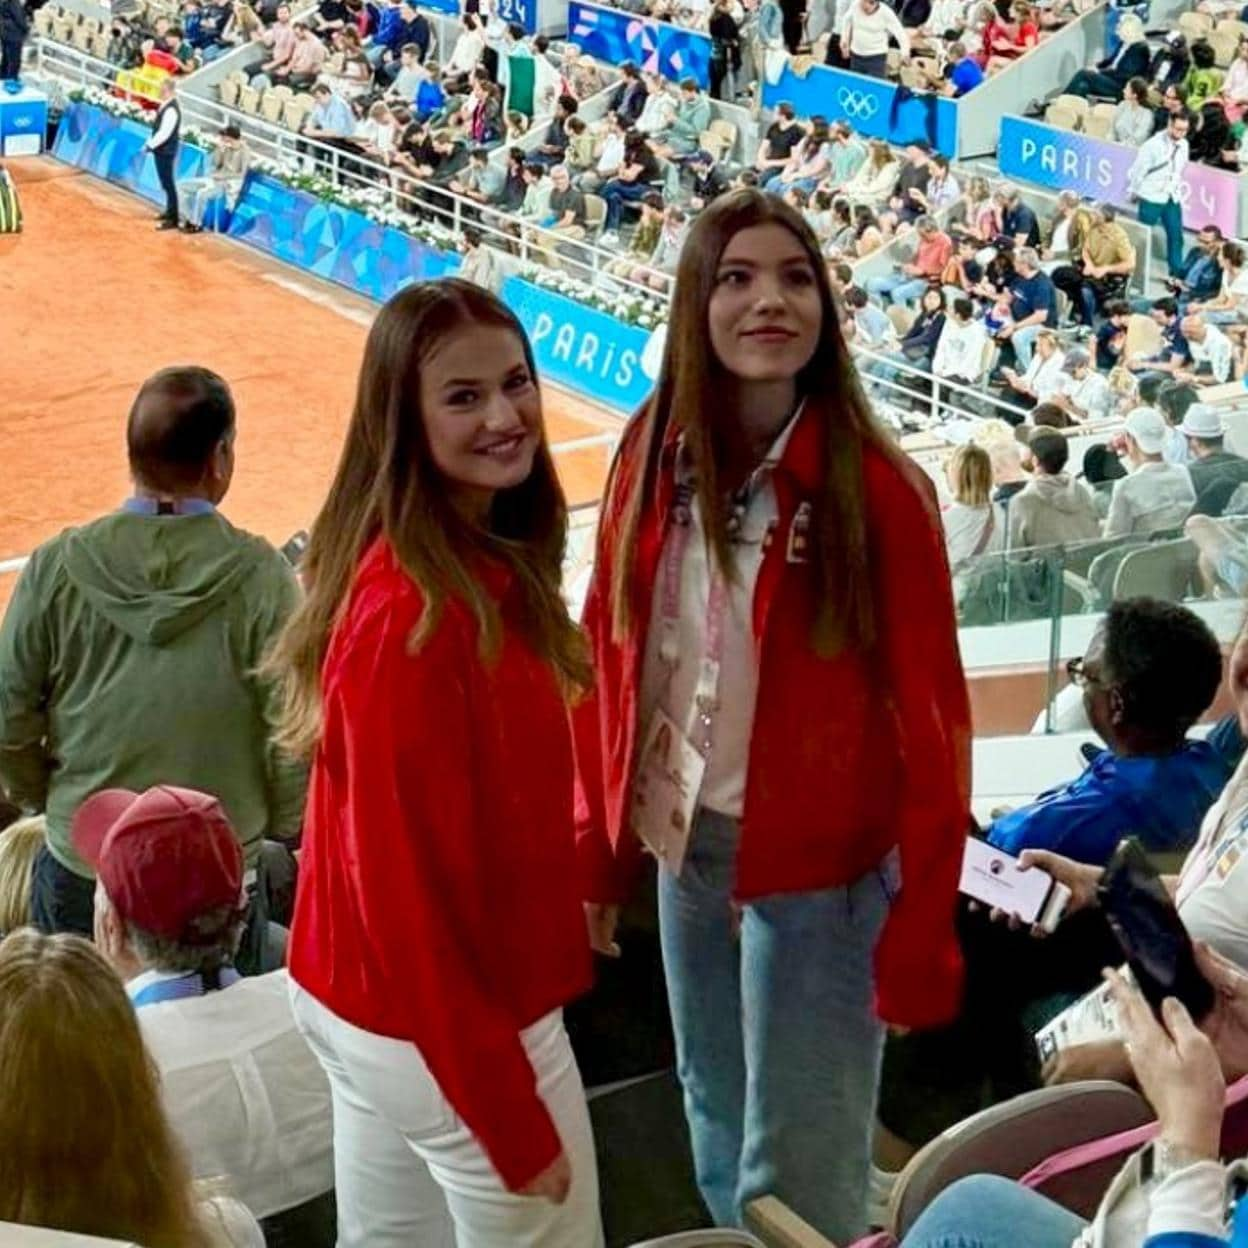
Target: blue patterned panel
x: 612, y: 35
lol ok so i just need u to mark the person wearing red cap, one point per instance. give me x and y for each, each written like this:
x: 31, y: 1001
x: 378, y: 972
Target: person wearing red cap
x: 439, y: 927
x: 241, y: 1087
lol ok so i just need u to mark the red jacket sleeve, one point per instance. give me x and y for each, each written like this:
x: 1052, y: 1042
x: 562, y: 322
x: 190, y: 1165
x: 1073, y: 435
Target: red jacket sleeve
x: 410, y: 745
x: 918, y: 960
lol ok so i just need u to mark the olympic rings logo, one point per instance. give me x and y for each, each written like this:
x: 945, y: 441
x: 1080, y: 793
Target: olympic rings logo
x: 860, y: 105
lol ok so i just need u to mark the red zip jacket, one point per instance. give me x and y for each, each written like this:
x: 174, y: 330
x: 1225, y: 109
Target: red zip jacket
x: 844, y: 764
x: 437, y: 896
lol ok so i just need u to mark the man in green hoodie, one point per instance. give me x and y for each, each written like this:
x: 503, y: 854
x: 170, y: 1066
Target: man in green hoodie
x: 129, y: 654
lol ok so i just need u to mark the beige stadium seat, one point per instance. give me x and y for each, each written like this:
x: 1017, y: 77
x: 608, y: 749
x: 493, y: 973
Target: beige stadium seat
x: 595, y: 215
x: 43, y: 22
x: 249, y: 100
x: 902, y: 318
x: 1062, y: 118
x: 293, y: 113
x: 81, y: 38
x: 99, y: 45
x: 239, y: 76
x: 1143, y: 336
x: 227, y: 92
x: 1195, y: 25
x: 1232, y: 26
x: 727, y: 130
x: 1224, y: 46
x: 1076, y: 103
x: 711, y: 142
x: 62, y: 29
x: 283, y: 92
x: 1098, y: 127
x: 271, y: 106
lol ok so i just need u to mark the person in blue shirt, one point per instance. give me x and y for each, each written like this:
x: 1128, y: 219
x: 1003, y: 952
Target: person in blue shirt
x: 1018, y: 220
x: 1151, y: 670
x: 962, y: 73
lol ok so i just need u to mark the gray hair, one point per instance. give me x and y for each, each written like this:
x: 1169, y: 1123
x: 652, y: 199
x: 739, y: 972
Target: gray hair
x: 1028, y: 256
x: 159, y: 953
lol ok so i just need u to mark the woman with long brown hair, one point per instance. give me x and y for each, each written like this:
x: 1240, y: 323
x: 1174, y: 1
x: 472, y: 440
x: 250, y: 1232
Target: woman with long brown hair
x: 438, y: 928
x: 87, y: 1146
x: 779, y: 708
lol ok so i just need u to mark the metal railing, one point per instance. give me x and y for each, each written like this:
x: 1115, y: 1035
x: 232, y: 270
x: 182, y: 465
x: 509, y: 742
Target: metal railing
x: 415, y: 199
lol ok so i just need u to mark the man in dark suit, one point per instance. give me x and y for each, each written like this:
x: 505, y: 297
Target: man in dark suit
x: 1131, y: 60
x: 13, y: 27
x: 163, y: 146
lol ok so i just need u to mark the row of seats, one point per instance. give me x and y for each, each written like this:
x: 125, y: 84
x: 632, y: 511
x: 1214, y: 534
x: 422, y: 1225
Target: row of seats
x: 278, y: 105
x: 1073, y: 112
x: 1201, y: 26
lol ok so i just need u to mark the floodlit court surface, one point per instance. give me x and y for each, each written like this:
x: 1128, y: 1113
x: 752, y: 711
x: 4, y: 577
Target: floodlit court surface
x: 93, y: 299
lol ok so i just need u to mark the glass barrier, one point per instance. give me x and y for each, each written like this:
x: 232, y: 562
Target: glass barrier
x: 1024, y: 614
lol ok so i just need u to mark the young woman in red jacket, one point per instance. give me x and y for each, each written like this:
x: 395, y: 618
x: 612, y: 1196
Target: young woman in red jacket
x: 779, y: 708
x: 439, y: 929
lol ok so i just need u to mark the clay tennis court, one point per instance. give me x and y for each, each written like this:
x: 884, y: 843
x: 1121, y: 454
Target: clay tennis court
x: 93, y: 299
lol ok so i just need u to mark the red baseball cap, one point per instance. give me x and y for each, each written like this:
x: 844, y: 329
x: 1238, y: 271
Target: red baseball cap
x: 165, y: 857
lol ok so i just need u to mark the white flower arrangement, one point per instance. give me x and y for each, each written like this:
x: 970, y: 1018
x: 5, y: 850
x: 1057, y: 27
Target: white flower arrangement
x: 377, y: 204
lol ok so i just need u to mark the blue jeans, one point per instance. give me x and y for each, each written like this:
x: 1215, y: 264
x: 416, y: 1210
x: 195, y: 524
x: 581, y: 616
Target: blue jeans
x: 987, y: 1211
x: 899, y: 287
x: 617, y: 194
x: 1024, y: 341
x: 1170, y: 216
x: 777, y: 1046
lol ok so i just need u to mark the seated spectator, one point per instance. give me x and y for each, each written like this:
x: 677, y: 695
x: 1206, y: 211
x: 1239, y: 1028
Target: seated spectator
x: 1085, y: 393
x: 709, y: 181
x: 554, y: 146
x: 1005, y: 42
x: 331, y: 116
x: 1173, y: 400
x: 207, y: 33
x: 227, y: 172
x: 912, y: 179
x: 125, y: 45
x: 972, y: 527
x: 20, y: 843
x: 1215, y: 472
x: 869, y: 235
x: 1111, y: 335
x: 1200, y: 276
x: 918, y: 344
x: 1155, y: 495
x: 355, y: 75
x: 78, y: 1086
x: 581, y: 75
x: 1105, y: 265
x: 847, y: 154
x: 630, y: 98
x: 808, y: 162
x: 660, y: 109
x: 635, y: 179
x: 1203, y: 79
x: 536, y: 205
x: 666, y: 255
x: 241, y: 1088
x: 430, y: 98
x: 1234, y: 91
x: 1173, y: 355
x: 942, y: 190
x: 307, y: 59
x: 962, y: 71
x: 280, y: 40
x: 330, y: 16
x: 409, y: 75
x: 376, y: 134
x: 1053, y: 508
x: 565, y: 209
x: 1133, y: 120
x: 782, y: 136
x: 963, y: 273
x: 1150, y: 671
x: 1044, y: 377
x: 1210, y: 351
x: 961, y: 351
x: 871, y: 327
x: 873, y: 184
x: 1230, y: 304
x: 905, y: 284
x: 1018, y: 220
x: 482, y: 180
x: 1112, y: 75
x: 1033, y: 306
x: 162, y: 591
x: 480, y: 264
x: 635, y: 264
x: 978, y: 211
x: 467, y: 52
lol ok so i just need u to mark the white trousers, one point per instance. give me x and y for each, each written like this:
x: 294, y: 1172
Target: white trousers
x: 409, y: 1173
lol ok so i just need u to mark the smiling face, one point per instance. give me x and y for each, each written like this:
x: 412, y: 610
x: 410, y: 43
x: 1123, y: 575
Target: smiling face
x: 765, y: 314
x: 481, y: 411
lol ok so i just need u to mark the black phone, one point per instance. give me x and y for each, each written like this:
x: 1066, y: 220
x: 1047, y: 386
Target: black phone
x: 1157, y: 946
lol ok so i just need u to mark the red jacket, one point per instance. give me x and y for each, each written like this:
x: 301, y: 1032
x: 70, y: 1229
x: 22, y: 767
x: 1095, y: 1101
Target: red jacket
x: 437, y: 896
x: 844, y: 763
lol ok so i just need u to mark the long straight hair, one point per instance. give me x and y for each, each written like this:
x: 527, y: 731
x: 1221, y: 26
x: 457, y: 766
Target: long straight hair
x: 690, y: 393
x: 387, y: 484
x: 87, y: 1146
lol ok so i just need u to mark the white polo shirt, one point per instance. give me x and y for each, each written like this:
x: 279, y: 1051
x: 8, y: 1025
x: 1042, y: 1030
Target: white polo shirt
x: 245, y: 1094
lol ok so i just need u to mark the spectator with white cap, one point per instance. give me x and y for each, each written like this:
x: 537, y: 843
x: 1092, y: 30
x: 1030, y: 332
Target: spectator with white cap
x: 241, y: 1087
x: 1154, y: 495
x: 1216, y: 473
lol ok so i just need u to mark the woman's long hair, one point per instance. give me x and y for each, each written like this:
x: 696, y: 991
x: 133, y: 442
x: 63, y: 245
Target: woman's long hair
x: 690, y: 393
x: 387, y: 484
x: 87, y: 1147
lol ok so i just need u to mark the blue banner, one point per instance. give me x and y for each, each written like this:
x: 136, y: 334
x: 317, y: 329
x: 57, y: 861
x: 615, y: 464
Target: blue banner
x: 23, y: 122
x: 112, y: 147
x: 580, y: 347
x: 450, y: 7
x: 875, y: 107
x: 520, y: 12
x: 658, y: 48
x: 333, y: 242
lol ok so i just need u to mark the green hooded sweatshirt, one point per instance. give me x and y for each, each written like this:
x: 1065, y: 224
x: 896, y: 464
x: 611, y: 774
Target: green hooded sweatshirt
x: 128, y: 659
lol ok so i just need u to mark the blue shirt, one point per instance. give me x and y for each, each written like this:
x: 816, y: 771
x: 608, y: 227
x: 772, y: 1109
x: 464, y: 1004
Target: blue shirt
x: 1030, y: 294
x: 1160, y: 800
x: 333, y: 117
x: 429, y: 98
x: 1022, y: 220
x: 966, y: 76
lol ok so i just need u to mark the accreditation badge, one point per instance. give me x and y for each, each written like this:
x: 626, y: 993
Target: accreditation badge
x: 665, y: 793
